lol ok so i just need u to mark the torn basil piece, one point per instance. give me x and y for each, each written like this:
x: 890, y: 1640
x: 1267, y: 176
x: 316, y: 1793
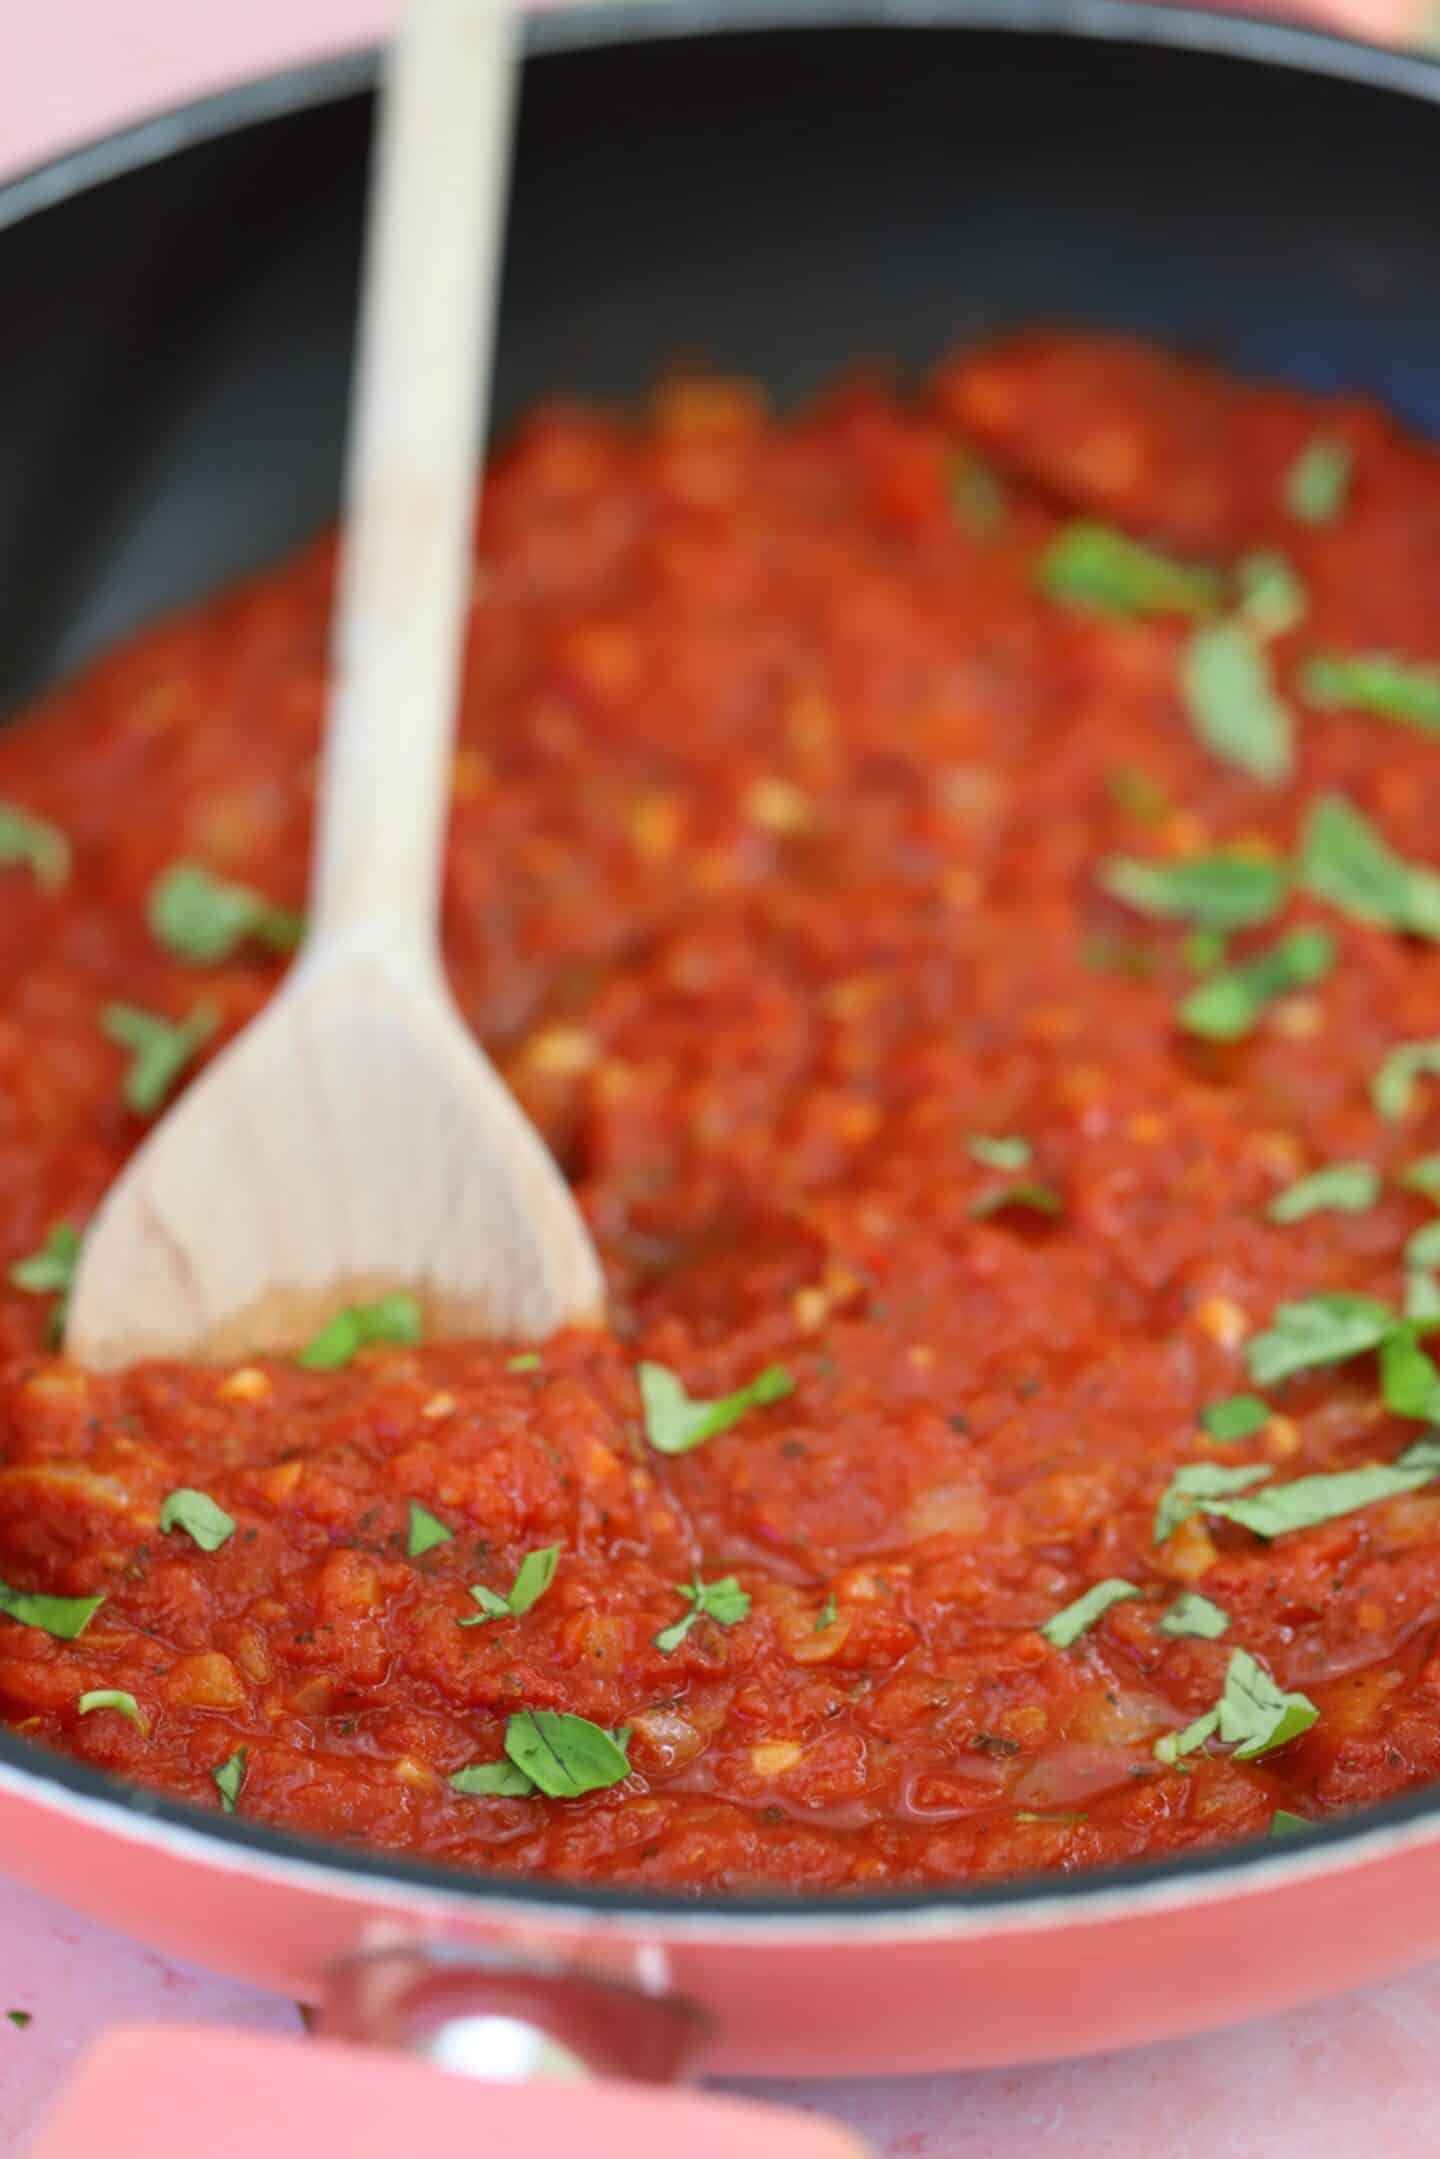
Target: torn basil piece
x: 675, y: 1421
x: 1067, y: 1625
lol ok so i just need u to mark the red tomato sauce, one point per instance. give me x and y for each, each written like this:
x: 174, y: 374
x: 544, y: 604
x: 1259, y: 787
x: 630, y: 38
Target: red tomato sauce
x: 778, y: 817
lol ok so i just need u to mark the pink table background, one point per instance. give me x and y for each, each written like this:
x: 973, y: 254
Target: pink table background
x: 1359, y: 2073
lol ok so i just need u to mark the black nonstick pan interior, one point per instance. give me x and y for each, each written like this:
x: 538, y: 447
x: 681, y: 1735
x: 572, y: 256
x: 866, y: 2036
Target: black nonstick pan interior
x: 784, y: 201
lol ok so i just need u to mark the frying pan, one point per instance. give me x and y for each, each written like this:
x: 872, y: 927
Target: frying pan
x: 776, y: 188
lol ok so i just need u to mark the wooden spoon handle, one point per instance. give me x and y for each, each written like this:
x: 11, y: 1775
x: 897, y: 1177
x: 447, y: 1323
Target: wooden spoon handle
x: 422, y: 397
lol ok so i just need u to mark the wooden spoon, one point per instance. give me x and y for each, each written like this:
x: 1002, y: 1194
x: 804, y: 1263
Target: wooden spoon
x: 355, y: 1141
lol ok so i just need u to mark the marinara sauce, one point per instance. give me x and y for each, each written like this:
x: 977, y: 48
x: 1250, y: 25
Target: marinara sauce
x: 796, y: 764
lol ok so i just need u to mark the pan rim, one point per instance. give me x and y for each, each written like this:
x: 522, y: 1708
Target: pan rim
x: 38, y: 1775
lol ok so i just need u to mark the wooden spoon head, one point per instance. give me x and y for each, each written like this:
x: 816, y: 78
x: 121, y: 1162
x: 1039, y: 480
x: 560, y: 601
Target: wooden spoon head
x: 354, y: 1141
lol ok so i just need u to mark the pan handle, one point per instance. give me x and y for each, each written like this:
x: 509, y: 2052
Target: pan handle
x: 170, y: 2091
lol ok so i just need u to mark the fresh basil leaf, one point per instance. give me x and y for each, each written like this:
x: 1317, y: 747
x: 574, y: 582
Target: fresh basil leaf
x: 33, y: 843
x: 977, y: 496
x: 160, y: 1049
x: 22, y: 2019
x: 1423, y: 1248
x: 1238, y: 1416
x: 397, y: 1318
x: 675, y: 1422
x: 124, y: 1705
x: 527, y: 1361
x: 1344, y: 860
x: 424, y: 1531
x: 1340, y: 1188
x: 66, y: 1618
x: 1224, y: 1007
x: 565, y: 1756
x: 1309, y: 1501
x: 1409, y: 1382
x: 1422, y: 1294
x: 1285, y: 1824
x: 1315, y: 1331
x: 825, y: 1617
x: 1317, y: 484
x: 492, y: 1780
x: 50, y: 1270
x: 1204, y: 950
x: 204, y: 919
x: 1375, y: 682
x: 1024, y: 1192
x: 533, y: 1577
x: 1253, y: 1715
x: 1393, y: 1088
x: 1097, y: 567
x: 1232, y: 703
x: 1134, y: 791
x: 1193, y: 1487
x: 1192, y: 1614
x: 1006, y: 1153
x: 229, y: 1779
x: 1272, y: 597
x: 1422, y: 1175
x: 1077, y: 1618
x: 1220, y: 891
x: 197, y: 1514
x: 724, y: 1601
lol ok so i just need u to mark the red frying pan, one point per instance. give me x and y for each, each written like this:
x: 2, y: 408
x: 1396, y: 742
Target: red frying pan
x: 1004, y: 142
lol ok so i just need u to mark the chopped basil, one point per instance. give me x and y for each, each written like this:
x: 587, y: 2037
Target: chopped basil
x: 1308, y: 1501
x: 159, y: 1050
x: 825, y: 1617
x: 1097, y: 567
x: 203, y: 918
x: 359, y: 1326
x: 1344, y: 860
x: 1340, y: 1188
x: 1422, y: 1294
x: 1193, y: 1487
x: 492, y: 1780
x: 1421, y: 1175
x: 977, y: 496
x: 1285, y: 1824
x: 229, y: 1778
x: 724, y: 1601
x: 1238, y: 1416
x: 36, y: 845
x: 1204, y: 950
x: 1409, y: 1382
x: 1393, y: 1088
x: 22, y: 2019
x: 1272, y: 597
x: 1232, y: 703
x: 1134, y: 791
x: 50, y: 1271
x: 197, y: 1514
x: 1192, y: 1614
x: 66, y: 1618
x: 566, y: 1756
x: 1319, y: 480
x: 527, y: 1361
x: 675, y: 1421
x: 1423, y: 1249
x: 1007, y: 1153
x: 424, y: 1531
x: 1253, y: 1715
x: 1220, y: 891
x: 1077, y: 1618
x: 124, y: 1705
x: 1224, y: 1007
x: 1375, y: 682
x: 1024, y: 1192
x: 1315, y: 1331
x: 533, y: 1577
